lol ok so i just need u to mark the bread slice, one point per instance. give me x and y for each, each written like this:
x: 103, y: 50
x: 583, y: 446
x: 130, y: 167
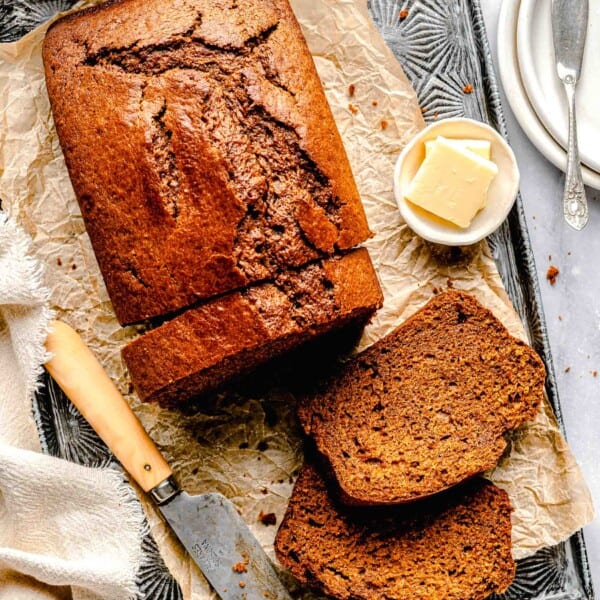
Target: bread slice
x: 426, y: 407
x: 456, y: 546
x: 206, y: 346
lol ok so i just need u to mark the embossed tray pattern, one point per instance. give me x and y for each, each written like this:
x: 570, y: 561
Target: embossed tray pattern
x: 443, y: 47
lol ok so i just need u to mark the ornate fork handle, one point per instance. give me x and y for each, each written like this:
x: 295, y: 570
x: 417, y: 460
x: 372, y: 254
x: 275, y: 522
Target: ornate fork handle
x: 575, y: 208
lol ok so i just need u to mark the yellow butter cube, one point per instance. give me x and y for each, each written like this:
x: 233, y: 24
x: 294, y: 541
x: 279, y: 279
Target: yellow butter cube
x: 452, y: 183
x: 481, y: 147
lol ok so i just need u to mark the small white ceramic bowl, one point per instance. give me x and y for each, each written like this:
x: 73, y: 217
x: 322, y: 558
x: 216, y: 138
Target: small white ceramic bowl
x: 501, y: 195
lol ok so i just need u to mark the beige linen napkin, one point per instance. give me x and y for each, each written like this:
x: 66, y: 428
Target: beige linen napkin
x: 65, y: 530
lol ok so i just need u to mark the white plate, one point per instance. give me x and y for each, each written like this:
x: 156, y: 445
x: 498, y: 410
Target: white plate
x: 517, y: 97
x: 535, y: 52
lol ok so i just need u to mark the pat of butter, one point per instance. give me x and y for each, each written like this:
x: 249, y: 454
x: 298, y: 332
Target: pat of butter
x: 452, y: 183
x: 481, y: 147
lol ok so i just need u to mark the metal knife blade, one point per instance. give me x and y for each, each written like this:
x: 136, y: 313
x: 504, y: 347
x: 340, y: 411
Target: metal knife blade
x: 569, y: 30
x: 209, y: 526
x: 223, y: 546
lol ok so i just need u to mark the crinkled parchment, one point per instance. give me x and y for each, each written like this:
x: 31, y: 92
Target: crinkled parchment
x: 247, y: 445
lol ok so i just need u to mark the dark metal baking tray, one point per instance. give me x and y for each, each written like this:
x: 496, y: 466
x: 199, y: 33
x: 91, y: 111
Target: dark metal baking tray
x: 443, y: 46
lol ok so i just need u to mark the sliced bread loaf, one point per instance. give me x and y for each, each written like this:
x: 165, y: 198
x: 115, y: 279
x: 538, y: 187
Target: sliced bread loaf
x: 200, y: 145
x: 426, y: 407
x: 456, y: 546
x: 206, y: 346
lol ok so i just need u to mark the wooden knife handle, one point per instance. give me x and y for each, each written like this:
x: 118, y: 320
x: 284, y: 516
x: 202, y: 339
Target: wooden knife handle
x: 86, y: 384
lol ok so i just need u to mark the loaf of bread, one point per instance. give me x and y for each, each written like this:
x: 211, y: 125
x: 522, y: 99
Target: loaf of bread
x: 200, y: 145
x: 427, y: 406
x: 205, y: 346
x: 454, y: 547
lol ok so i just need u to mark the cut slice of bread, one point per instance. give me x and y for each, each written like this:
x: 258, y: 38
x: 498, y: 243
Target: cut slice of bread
x: 456, y: 546
x: 427, y: 406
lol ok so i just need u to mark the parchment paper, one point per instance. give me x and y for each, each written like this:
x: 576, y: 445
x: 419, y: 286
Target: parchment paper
x: 247, y: 445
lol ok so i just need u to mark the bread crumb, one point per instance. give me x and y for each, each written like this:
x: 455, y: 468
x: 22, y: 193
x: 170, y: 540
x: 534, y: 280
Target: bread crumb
x: 423, y: 110
x: 568, y: 369
x: 242, y: 566
x: 59, y: 262
x: 552, y: 274
x: 73, y: 266
x: 560, y: 317
x: 595, y: 373
x: 403, y: 14
x: 468, y: 89
x: 375, y: 103
x: 267, y: 518
x: 353, y: 109
x: 384, y: 125
x: 550, y: 257
x: 351, y: 90
x: 568, y: 254
x: 242, y: 584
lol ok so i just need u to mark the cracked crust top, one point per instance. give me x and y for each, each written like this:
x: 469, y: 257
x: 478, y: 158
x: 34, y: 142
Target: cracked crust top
x: 203, y: 348
x: 200, y: 146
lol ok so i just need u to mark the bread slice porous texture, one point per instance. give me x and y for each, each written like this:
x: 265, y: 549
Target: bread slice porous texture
x: 426, y: 407
x: 456, y: 546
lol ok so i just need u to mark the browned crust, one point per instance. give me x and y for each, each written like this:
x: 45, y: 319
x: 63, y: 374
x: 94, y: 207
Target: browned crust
x: 426, y: 407
x: 167, y: 228
x: 206, y: 346
x: 454, y: 547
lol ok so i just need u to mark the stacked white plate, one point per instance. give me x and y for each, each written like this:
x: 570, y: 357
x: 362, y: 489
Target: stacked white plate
x: 534, y: 92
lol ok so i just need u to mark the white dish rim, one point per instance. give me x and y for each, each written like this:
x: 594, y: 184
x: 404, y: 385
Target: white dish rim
x: 517, y: 98
x: 490, y: 217
x: 532, y: 86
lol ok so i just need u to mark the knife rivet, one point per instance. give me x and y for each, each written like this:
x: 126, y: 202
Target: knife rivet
x: 147, y: 467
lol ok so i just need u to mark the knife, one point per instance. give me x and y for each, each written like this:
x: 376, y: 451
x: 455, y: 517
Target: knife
x: 569, y: 30
x: 208, y: 525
